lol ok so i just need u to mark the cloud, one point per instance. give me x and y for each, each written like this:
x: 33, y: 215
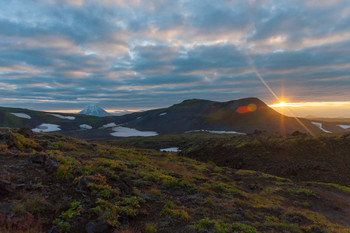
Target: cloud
x: 144, y: 54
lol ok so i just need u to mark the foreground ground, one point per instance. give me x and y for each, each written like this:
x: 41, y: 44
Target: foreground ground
x: 300, y: 157
x: 49, y: 183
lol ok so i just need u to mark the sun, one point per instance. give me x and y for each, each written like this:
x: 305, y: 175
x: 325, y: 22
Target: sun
x: 280, y: 104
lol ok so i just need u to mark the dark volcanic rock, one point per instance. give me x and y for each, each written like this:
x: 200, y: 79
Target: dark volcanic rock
x: 6, y: 208
x: 38, y: 158
x: 7, y: 187
x: 49, y: 164
x: 28, y: 133
x: 84, y: 182
x: 98, y: 227
x: 297, y: 218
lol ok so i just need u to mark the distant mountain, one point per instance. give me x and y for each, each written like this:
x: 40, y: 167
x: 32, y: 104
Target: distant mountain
x: 243, y: 116
x: 94, y: 110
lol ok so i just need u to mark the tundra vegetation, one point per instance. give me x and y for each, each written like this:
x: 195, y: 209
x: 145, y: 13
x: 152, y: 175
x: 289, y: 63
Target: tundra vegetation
x: 58, y: 184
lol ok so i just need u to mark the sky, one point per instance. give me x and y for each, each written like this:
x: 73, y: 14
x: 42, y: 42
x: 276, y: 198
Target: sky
x: 133, y: 55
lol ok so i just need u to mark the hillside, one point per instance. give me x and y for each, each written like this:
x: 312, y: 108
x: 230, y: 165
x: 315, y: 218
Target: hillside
x: 20, y: 118
x: 300, y: 157
x: 243, y: 116
x: 50, y: 183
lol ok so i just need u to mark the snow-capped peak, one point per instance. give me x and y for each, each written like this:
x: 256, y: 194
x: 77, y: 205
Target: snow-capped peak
x: 94, y: 110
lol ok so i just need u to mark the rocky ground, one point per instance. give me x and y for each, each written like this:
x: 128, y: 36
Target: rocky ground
x: 50, y: 183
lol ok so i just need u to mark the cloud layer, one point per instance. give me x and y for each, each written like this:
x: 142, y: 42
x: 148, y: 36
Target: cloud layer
x: 138, y: 54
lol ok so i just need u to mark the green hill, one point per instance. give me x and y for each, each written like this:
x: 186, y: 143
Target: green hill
x: 50, y: 183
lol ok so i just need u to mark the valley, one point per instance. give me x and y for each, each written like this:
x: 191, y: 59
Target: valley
x: 198, y: 166
x: 243, y: 116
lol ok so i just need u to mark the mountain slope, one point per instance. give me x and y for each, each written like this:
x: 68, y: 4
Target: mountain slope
x: 50, y: 183
x: 94, y: 110
x: 243, y: 115
x: 66, y: 123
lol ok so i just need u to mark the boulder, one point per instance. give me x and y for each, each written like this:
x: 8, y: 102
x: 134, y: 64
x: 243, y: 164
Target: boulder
x: 51, y: 165
x: 38, y: 158
x: 7, y: 187
x: 98, y: 227
x: 6, y: 208
x: 84, y: 182
x: 26, y: 132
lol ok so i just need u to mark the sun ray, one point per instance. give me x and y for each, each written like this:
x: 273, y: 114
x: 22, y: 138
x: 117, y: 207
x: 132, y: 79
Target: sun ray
x: 255, y: 70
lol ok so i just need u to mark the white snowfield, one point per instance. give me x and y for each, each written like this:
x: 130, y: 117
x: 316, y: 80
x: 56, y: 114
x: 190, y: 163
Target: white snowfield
x: 171, y: 149
x: 62, y: 117
x: 162, y: 114
x: 214, y: 131
x: 344, y: 126
x: 21, y: 115
x: 233, y: 132
x: 85, y: 126
x: 45, y: 127
x: 128, y: 132
x: 319, y: 125
x: 109, y: 125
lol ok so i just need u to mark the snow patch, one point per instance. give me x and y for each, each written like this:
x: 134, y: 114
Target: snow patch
x: 214, y: 131
x: 171, y: 149
x: 232, y: 132
x: 138, y: 118
x: 319, y: 125
x: 344, y: 126
x: 109, y: 125
x: 62, y: 117
x: 195, y: 131
x: 85, y: 126
x: 128, y: 132
x: 162, y: 114
x: 21, y: 115
x: 45, y: 127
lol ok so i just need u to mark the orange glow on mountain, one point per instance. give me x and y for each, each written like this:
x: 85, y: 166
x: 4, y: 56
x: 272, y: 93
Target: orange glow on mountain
x: 246, y: 109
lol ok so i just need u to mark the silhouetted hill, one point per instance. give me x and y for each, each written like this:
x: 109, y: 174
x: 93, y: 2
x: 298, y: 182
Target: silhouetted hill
x: 243, y: 115
x: 237, y: 116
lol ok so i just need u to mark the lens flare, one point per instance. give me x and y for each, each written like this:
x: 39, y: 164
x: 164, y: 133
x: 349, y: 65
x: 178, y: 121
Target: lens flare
x: 257, y: 73
x: 246, y: 109
x: 252, y: 107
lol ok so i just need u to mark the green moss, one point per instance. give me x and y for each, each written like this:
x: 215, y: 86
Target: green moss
x: 301, y: 192
x: 62, y: 226
x: 150, y: 227
x: 243, y: 228
x: 22, y: 142
x: 337, y: 186
x: 74, y: 210
x: 214, y: 226
x: 107, y: 211
x: 64, y: 172
x: 169, y: 209
x: 130, y: 206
